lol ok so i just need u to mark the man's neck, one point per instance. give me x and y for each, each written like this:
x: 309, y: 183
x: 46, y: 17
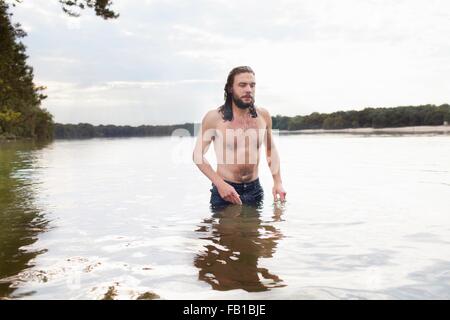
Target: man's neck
x: 238, y: 112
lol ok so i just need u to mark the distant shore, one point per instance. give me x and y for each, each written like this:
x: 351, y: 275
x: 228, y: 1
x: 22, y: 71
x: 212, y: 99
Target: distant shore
x: 442, y: 130
x: 399, y: 130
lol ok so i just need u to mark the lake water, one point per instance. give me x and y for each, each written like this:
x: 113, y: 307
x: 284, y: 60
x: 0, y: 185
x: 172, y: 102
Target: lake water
x: 365, y: 217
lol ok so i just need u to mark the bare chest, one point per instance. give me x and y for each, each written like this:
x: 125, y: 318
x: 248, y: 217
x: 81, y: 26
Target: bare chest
x: 241, y: 133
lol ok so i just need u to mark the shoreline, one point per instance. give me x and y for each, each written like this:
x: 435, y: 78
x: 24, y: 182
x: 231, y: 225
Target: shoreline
x: 442, y: 129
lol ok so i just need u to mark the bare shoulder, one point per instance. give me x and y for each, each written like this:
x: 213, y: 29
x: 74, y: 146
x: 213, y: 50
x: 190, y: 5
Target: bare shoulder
x: 264, y: 113
x: 211, y: 118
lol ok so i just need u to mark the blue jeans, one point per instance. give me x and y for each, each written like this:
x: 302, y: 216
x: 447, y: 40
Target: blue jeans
x: 251, y: 193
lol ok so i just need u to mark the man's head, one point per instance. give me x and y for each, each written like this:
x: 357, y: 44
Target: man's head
x: 240, y: 89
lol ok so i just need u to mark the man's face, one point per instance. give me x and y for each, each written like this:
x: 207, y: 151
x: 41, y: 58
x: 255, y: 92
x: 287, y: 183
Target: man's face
x: 244, y: 90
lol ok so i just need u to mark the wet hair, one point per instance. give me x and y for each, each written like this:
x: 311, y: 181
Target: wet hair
x: 226, y: 109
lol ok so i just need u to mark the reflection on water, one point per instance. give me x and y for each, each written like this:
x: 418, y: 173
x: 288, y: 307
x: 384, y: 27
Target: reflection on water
x: 238, y: 239
x: 21, y: 221
x: 367, y: 218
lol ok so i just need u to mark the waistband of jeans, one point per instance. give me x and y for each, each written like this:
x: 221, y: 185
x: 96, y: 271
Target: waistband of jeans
x: 242, y: 184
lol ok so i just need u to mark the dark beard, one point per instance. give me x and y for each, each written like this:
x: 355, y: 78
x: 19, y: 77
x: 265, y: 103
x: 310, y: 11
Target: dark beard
x: 241, y: 104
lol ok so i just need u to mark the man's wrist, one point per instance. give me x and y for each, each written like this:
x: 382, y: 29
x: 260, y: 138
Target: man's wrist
x: 218, y: 181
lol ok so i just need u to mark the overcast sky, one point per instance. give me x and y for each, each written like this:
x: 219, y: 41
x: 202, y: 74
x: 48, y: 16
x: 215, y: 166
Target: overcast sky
x: 166, y: 62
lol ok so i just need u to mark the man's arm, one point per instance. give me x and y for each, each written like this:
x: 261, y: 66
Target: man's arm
x: 204, y: 139
x: 273, y: 159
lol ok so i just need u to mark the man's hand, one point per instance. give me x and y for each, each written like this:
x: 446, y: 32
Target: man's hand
x: 228, y: 193
x: 278, y: 190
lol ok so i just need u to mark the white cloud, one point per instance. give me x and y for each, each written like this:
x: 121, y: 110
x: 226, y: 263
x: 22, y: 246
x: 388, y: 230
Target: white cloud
x: 131, y: 102
x: 161, y: 56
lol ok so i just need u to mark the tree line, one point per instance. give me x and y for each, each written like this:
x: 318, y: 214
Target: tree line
x: 405, y: 116
x: 370, y: 117
x: 86, y: 130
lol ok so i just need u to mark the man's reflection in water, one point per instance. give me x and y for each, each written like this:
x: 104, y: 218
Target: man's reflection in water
x: 238, y: 239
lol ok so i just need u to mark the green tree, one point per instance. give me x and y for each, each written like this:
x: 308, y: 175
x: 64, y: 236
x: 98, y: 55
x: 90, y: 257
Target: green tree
x: 296, y: 123
x: 8, y: 118
x: 280, y: 122
x: 102, y: 8
x: 20, y: 98
x: 334, y: 122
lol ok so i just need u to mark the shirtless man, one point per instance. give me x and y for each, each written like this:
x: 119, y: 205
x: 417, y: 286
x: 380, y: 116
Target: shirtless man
x: 238, y: 129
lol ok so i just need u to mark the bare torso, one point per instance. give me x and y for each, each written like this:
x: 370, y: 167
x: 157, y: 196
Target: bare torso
x: 237, y: 145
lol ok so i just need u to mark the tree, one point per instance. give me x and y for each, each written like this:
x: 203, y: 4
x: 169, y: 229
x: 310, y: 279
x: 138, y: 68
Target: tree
x: 333, y: 122
x: 8, y: 118
x: 20, y: 98
x: 101, y: 7
x: 280, y: 122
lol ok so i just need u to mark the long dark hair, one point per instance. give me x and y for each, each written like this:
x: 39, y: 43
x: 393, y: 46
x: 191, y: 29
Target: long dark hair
x: 226, y: 109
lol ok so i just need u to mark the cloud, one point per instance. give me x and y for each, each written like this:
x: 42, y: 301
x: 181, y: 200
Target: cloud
x: 132, y: 102
x: 320, y: 55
